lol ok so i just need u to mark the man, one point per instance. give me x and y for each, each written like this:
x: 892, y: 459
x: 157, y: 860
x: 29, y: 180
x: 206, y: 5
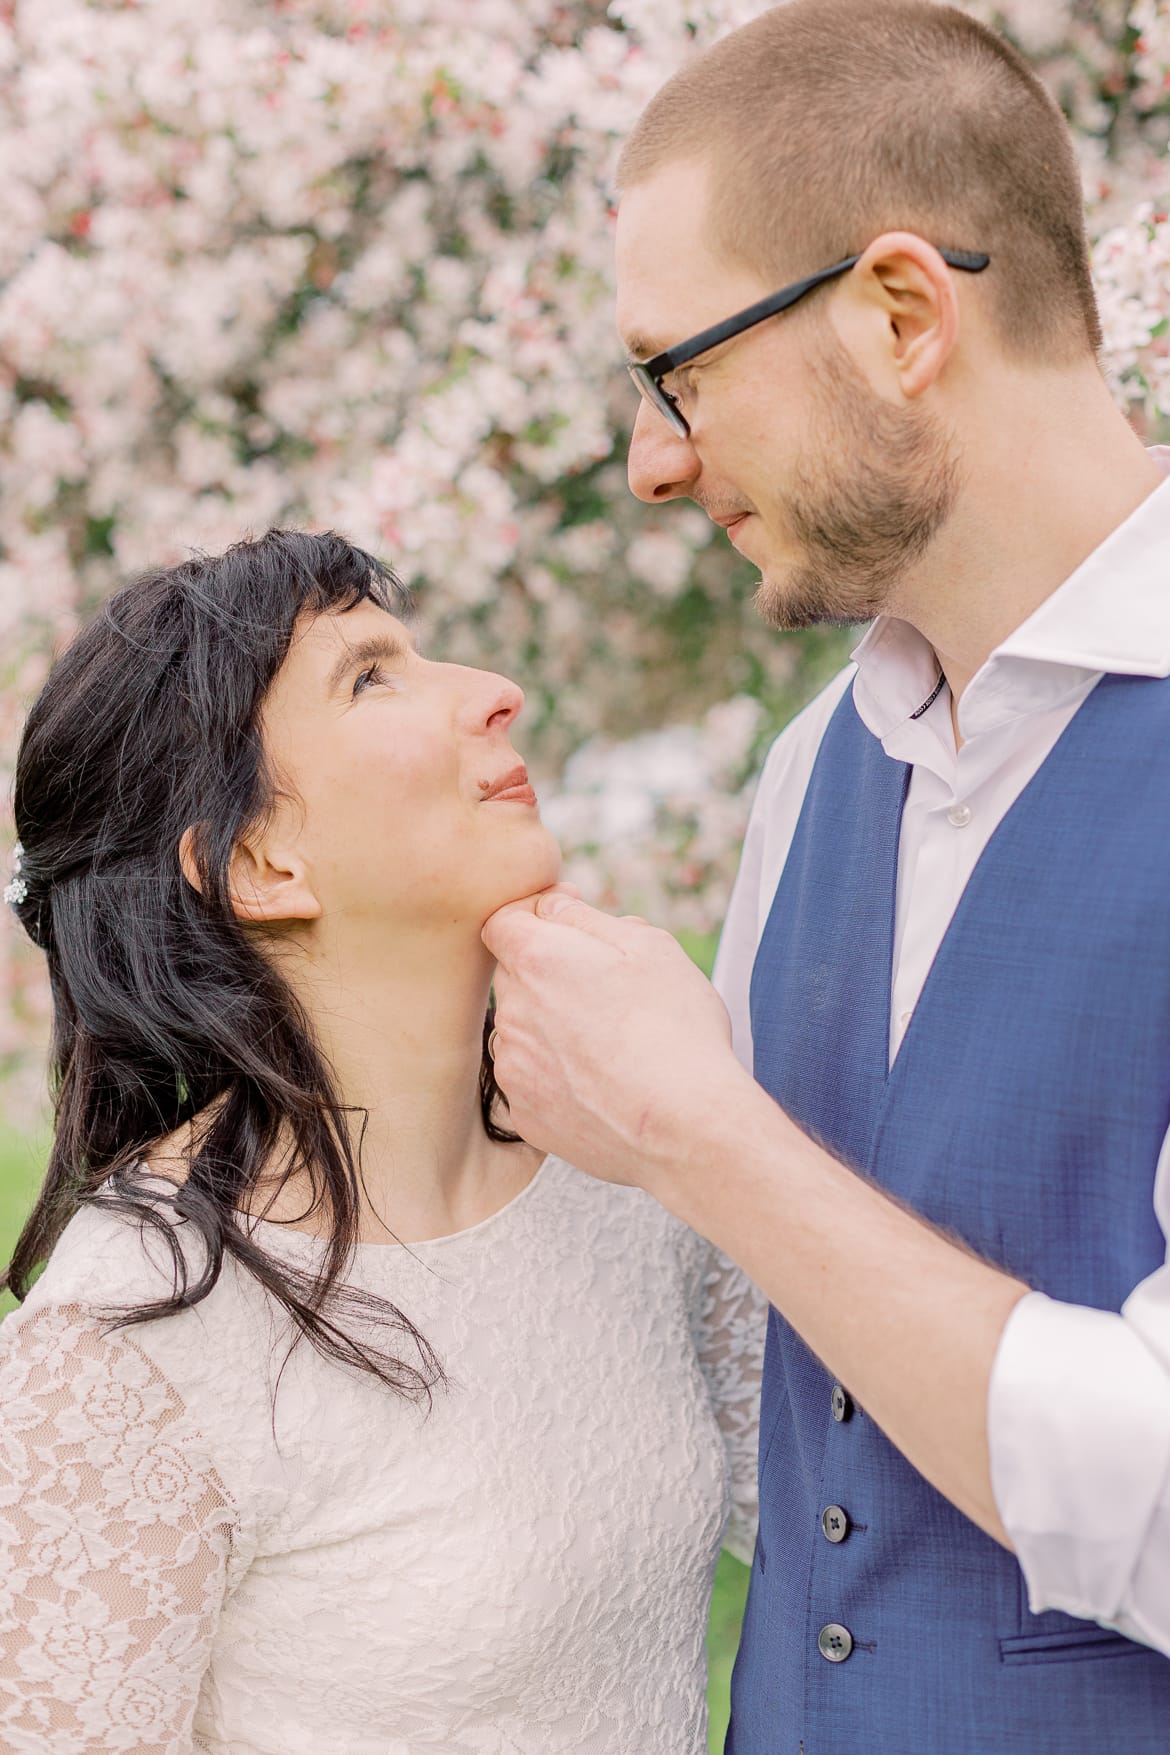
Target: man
x: 948, y: 954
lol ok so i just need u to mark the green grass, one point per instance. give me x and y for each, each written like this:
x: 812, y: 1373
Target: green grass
x: 731, y: 1582
x: 21, y: 1162
x: 700, y: 947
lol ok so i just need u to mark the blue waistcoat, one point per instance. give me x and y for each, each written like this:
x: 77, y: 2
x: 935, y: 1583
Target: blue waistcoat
x: 1024, y: 1112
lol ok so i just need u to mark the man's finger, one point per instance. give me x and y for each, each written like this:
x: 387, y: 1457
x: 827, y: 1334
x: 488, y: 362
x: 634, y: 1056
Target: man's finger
x: 567, y: 911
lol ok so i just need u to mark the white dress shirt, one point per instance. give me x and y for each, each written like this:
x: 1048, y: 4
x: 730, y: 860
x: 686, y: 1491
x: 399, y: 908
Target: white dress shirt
x: 1079, y: 1406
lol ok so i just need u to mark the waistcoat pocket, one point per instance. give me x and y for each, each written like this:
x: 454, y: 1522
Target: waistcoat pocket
x: 1073, y: 1646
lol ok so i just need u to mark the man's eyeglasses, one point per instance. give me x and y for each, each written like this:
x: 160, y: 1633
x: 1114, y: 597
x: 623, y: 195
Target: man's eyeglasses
x: 648, y: 374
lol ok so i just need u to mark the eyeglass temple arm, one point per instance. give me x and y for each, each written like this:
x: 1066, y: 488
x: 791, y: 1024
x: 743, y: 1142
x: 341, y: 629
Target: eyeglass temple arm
x: 972, y: 261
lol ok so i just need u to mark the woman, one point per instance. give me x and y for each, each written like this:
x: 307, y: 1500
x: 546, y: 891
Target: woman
x: 339, y: 1421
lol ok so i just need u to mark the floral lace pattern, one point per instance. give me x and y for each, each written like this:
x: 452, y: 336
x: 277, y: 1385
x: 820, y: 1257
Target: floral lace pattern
x: 117, y: 1537
x: 188, y: 1564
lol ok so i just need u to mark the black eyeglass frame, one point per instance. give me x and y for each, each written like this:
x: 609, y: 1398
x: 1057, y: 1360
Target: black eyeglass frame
x: 648, y: 374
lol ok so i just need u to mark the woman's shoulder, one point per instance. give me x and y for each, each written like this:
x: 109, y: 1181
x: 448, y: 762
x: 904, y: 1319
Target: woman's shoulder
x: 109, y: 1264
x: 107, y: 1256
x: 209, y: 1364
x: 140, y: 1408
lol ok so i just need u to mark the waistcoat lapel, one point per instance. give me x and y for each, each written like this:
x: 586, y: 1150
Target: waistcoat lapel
x: 820, y: 1002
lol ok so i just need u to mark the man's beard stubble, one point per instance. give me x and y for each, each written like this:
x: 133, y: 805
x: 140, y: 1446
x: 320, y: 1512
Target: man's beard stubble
x: 875, y: 487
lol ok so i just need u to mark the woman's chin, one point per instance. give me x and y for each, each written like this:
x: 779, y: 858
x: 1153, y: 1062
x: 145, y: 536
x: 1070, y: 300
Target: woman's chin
x: 527, y: 877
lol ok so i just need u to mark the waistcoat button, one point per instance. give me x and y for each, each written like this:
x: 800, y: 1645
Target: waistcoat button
x: 834, y: 1642
x: 842, y: 1406
x: 835, y: 1523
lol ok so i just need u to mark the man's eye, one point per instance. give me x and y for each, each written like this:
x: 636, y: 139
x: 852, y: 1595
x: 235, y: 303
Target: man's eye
x: 677, y: 389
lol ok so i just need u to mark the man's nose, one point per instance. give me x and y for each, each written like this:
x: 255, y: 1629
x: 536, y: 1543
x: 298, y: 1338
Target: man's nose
x: 662, y: 465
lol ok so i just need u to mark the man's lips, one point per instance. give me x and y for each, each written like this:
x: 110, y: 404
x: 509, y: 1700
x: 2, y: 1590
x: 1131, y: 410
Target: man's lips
x: 514, y: 787
x: 730, y: 522
x: 733, y: 526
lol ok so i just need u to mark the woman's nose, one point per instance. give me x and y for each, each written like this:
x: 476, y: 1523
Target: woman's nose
x: 662, y: 464
x: 492, y: 702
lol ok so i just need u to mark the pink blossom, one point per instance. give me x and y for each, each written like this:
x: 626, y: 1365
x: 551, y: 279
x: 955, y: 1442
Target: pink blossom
x: 351, y: 264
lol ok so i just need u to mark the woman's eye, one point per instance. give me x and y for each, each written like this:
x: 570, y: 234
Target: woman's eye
x: 365, y: 677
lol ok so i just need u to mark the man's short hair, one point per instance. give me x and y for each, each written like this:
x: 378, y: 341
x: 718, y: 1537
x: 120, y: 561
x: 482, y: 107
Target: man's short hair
x: 828, y: 122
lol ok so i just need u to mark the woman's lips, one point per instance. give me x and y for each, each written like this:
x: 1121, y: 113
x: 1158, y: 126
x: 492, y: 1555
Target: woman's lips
x: 513, y: 788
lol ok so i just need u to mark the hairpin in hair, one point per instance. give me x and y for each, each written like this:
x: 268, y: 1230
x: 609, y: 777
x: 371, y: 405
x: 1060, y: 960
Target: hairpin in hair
x: 16, y: 890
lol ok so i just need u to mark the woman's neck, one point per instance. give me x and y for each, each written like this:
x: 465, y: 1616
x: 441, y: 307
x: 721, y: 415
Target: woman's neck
x: 402, y: 1029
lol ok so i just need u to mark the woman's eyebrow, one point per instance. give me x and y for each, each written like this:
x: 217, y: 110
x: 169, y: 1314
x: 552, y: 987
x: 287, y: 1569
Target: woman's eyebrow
x: 368, y: 651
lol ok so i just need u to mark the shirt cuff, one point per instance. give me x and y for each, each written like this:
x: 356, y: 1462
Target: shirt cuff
x: 1079, y: 1437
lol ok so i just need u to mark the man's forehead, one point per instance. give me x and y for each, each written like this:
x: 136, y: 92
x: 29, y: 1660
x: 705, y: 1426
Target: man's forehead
x: 671, y: 279
x: 659, y: 248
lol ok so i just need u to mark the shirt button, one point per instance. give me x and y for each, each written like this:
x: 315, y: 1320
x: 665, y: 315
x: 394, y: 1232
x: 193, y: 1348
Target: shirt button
x: 835, y: 1523
x: 841, y: 1404
x: 834, y: 1642
x: 959, y: 816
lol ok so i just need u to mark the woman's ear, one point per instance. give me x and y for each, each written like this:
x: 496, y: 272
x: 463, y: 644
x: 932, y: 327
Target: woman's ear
x: 266, y: 884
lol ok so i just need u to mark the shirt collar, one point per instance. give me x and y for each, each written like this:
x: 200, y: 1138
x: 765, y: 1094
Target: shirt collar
x: 1112, y: 615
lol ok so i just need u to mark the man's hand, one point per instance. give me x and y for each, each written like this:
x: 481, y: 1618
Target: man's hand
x: 610, y: 1042
x: 615, y: 1052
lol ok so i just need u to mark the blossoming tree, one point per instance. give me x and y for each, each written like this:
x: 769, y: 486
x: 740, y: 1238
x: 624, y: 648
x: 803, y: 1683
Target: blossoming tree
x: 347, y: 262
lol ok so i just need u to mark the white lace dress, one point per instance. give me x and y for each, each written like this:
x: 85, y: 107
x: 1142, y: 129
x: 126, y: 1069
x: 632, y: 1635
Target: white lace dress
x: 185, y: 1567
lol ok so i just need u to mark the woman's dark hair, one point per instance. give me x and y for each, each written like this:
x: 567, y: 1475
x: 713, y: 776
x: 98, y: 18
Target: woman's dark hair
x: 164, y: 1007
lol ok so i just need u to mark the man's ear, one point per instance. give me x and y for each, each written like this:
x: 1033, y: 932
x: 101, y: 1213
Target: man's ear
x: 266, y: 884
x: 899, y: 314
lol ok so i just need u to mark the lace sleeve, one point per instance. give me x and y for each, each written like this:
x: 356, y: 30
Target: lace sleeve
x: 731, y: 1327
x: 115, y: 1539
